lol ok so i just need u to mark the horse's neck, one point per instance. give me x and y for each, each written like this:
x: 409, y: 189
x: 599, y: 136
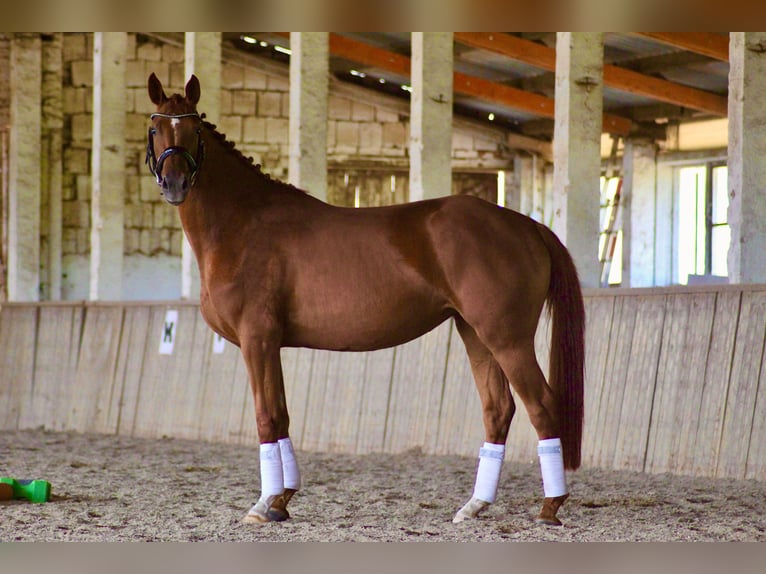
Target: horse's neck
x: 229, y: 193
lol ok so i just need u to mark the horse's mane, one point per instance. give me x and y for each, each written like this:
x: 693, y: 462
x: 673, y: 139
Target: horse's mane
x: 248, y: 161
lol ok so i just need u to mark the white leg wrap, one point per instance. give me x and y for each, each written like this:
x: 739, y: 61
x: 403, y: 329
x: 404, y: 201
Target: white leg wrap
x: 292, y: 476
x: 272, y: 477
x: 272, y: 483
x: 552, y: 467
x: 487, y: 478
x: 488, y: 474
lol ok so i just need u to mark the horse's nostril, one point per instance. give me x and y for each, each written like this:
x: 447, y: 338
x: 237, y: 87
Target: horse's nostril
x: 165, y: 184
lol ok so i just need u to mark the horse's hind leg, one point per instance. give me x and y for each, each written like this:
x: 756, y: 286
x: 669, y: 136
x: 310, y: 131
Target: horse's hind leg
x: 497, y: 411
x: 520, y: 365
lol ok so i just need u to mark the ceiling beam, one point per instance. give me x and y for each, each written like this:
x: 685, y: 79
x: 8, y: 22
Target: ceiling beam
x: 615, y: 77
x: 706, y: 43
x: 464, y: 84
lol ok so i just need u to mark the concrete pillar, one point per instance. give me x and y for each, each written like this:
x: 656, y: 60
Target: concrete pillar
x: 52, y: 161
x: 309, y: 93
x: 431, y: 115
x: 203, y: 59
x: 108, y: 166
x: 747, y: 148
x: 664, y: 226
x: 577, y: 148
x: 528, y: 187
x: 638, y: 204
x: 24, y: 176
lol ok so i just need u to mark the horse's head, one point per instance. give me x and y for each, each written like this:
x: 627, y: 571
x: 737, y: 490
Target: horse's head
x: 175, y: 149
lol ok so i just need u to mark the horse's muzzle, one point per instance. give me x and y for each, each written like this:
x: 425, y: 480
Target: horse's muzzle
x: 174, y: 187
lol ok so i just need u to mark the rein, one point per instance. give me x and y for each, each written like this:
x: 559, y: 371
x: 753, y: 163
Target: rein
x: 155, y: 163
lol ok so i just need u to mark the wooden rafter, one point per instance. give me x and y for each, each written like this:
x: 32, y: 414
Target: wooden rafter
x: 464, y: 84
x: 614, y: 76
x: 706, y: 43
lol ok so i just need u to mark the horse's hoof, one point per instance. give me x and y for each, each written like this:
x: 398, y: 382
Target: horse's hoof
x: 278, y: 515
x: 470, y: 511
x: 278, y: 510
x: 258, y: 514
x: 551, y: 506
x: 255, y: 518
x: 548, y: 521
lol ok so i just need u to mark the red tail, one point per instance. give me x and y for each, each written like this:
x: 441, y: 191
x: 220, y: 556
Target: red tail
x: 567, y: 358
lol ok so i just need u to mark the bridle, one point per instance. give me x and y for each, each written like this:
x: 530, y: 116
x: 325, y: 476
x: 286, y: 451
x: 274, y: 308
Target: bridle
x: 155, y: 163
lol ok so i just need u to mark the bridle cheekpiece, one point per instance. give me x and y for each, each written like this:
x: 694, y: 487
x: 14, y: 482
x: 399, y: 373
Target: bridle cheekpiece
x: 155, y: 163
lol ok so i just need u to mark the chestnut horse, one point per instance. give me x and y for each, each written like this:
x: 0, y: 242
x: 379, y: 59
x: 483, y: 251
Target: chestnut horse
x: 279, y: 268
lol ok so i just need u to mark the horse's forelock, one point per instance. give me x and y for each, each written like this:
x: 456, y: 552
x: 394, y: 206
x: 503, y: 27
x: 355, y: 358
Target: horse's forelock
x: 177, y: 104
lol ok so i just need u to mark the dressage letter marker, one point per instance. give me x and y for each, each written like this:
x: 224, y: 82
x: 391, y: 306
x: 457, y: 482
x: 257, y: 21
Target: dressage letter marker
x: 219, y: 343
x: 168, y: 332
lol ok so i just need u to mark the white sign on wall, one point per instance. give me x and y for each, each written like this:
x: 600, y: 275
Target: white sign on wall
x: 168, y: 338
x: 219, y: 343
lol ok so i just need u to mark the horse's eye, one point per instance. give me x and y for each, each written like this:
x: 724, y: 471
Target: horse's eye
x: 153, y: 131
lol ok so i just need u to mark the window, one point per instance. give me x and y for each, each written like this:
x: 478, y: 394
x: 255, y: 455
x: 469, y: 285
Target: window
x: 610, y: 232
x: 703, y: 229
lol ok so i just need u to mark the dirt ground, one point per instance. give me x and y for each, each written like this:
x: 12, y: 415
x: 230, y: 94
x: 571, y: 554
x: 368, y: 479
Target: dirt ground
x: 108, y: 488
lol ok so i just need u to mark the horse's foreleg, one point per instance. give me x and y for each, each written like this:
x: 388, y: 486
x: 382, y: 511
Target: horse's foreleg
x: 280, y: 477
x: 497, y: 409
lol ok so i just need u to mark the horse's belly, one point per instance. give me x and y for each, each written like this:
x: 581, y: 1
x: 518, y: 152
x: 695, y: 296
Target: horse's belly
x: 340, y: 324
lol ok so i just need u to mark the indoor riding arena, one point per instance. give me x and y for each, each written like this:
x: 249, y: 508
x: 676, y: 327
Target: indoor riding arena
x: 145, y: 394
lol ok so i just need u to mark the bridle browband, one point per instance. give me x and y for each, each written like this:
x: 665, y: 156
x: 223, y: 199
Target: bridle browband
x: 155, y: 163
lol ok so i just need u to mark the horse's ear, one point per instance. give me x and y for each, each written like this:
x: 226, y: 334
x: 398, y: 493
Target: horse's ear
x: 156, y: 93
x: 192, y: 90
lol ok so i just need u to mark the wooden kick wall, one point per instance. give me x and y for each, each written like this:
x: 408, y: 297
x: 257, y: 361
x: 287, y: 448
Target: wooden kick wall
x: 675, y: 383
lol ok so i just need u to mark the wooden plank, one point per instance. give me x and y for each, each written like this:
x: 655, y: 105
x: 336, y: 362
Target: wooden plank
x: 598, y: 335
x: 664, y: 91
x: 129, y: 370
x: 155, y: 401
x: 743, y: 387
x: 325, y: 411
x: 614, y: 76
x: 347, y: 380
x: 460, y: 402
x: 187, y: 383
x: 94, y: 382
x: 58, y: 343
x: 640, y: 384
x: 316, y: 400
x: 374, y: 405
x: 219, y: 392
x: 663, y: 432
x: 243, y: 401
x: 404, y: 405
x: 369, y: 55
x: 607, y: 422
x: 516, y: 48
x: 680, y: 378
x: 705, y: 43
x: 18, y: 332
x: 463, y: 83
x: 692, y: 364
x: 756, y: 455
x: 296, y: 368
x: 433, y: 365
x: 707, y: 438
